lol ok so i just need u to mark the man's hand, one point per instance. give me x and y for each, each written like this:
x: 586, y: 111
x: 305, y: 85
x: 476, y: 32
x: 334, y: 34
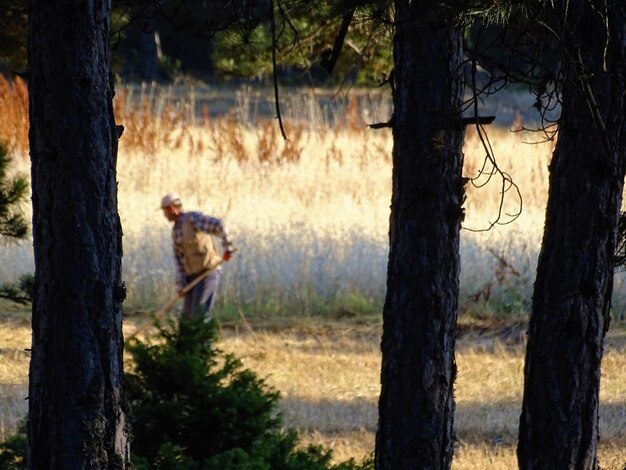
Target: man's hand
x: 227, y: 255
x: 181, y: 292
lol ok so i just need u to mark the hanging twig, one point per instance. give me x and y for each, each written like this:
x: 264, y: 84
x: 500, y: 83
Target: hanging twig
x: 329, y: 61
x: 275, y: 72
x: 506, y: 181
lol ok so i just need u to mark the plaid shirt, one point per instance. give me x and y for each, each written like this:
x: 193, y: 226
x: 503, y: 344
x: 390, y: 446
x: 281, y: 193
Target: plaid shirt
x: 200, y: 222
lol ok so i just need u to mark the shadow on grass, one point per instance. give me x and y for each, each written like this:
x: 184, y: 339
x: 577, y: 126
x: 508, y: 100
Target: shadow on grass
x: 476, y: 422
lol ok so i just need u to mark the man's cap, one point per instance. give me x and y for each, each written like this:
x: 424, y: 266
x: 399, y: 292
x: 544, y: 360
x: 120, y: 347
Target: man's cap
x: 170, y: 200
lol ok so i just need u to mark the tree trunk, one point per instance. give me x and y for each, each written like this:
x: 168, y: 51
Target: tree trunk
x: 570, y: 313
x: 139, y: 51
x: 75, y: 391
x: 416, y: 405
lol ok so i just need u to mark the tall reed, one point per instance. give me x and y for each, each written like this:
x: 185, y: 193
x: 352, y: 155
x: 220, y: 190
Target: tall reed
x: 309, y: 214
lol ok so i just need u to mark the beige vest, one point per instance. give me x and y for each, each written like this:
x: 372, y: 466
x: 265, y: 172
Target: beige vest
x: 199, y: 253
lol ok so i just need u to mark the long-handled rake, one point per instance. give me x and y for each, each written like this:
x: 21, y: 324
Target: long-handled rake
x: 170, y: 303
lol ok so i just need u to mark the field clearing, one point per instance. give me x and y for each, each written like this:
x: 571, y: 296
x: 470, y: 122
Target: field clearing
x: 328, y: 375
x: 310, y: 219
x: 329, y: 380
x: 309, y: 215
x: 312, y: 229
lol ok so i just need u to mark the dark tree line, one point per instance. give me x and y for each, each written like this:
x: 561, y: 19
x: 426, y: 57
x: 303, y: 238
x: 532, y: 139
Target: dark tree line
x: 166, y: 40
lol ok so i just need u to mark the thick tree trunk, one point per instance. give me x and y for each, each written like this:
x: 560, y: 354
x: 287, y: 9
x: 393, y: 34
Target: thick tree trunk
x: 75, y: 392
x: 570, y: 314
x: 416, y: 406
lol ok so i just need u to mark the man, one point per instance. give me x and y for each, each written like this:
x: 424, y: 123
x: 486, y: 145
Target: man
x: 195, y: 253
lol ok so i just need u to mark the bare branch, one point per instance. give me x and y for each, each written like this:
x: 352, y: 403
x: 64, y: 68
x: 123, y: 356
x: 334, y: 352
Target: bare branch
x: 275, y: 71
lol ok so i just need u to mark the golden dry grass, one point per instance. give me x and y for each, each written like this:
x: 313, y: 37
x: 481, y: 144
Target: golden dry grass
x: 15, y: 334
x: 329, y: 380
x: 14, y: 112
x: 328, y: 376
x: 330, y: 207
x: 313, y: 210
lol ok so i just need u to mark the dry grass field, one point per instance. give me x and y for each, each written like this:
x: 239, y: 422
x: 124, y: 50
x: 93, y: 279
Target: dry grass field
x: 300, y: 301
x: 328, y: 376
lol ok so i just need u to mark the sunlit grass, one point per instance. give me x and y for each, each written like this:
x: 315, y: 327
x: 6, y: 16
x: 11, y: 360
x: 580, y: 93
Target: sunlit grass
x: 329, y: 377
x: 313, y: 233
x: 310, y: 215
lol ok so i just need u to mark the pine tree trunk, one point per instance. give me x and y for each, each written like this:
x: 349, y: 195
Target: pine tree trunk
x: 75, y: 391
x: 416, y: 406
x: 140, y: 51
x: 571, y: 302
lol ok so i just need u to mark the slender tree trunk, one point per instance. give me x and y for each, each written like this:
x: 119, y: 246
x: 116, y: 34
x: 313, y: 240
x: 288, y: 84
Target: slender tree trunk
x: 141, y: 60
x: 416, y: 406
x: 75, y: 391
x: 570, y: 314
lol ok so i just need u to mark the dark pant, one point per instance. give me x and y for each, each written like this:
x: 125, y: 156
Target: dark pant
x: 200, y: 299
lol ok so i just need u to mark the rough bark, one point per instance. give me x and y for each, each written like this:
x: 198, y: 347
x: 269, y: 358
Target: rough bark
x: 572, y: 294
x: 75, y: 391
x: 416, y: 405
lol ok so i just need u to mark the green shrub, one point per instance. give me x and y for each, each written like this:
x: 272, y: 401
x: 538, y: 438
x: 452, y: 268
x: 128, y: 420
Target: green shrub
x: 20, y: 292
x: 194, y: 407
x: 13, y: 224
x: 13, y: 193
x: 13, y: 450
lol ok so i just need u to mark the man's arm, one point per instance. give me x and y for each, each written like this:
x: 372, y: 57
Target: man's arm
x: 212, y: 226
